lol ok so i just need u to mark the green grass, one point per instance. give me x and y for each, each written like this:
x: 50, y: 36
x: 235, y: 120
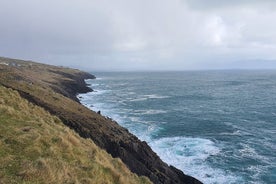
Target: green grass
x: 35, y: 147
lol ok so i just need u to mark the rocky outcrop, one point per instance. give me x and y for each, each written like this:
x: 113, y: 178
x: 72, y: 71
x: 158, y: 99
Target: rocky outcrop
x: 56, y: 89
x: 70, y: 88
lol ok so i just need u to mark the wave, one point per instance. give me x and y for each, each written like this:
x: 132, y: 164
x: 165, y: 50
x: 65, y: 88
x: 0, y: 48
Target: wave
x: 138, y: 99
x: 186, y: 153
x: 146, y: 97
x: 155, y: 96
x: 148, y: 112
x: 190, y: 155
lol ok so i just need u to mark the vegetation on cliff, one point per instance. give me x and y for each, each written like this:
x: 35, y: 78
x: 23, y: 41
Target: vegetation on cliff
x: 37, y: 147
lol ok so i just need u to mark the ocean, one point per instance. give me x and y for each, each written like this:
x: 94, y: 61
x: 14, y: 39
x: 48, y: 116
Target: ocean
x: 218, y: 126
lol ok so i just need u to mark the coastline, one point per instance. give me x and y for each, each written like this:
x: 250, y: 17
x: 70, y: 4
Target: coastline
x: 184, y: 178
x: 55, y: 89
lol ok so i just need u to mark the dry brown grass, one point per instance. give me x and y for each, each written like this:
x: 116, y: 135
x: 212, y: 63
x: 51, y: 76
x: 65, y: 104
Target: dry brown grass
x: 39, y: 81
x: 35, y: 147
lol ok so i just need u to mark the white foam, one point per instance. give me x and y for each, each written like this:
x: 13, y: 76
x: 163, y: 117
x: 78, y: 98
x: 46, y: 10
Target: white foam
x: 258, y: 171
x: 99, y: 92
x: 98, y: 78
x: 138, y: 99
x: 155, y: 96
x: 146, y: 97
x: 87, y: 97
x: 95, y: 84
x: 89, y: 81
x: 149, y: 112
x: 186, y: 153
x: 131, y: 93
x: 189, y: 155
x: 249, y: 152
x: 235, y: 133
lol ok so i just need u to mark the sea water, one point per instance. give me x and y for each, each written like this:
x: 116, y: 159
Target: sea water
x: 218, y: 126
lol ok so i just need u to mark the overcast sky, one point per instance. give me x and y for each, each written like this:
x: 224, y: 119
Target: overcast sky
x: 141, y: 34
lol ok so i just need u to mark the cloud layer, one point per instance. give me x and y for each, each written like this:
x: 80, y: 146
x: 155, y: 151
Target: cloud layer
x: 141, y: 34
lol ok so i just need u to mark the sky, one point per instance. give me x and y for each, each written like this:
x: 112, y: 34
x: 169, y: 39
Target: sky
x: 134, y: 35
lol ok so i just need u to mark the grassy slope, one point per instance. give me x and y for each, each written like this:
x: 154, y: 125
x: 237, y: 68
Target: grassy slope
x: 42, y: 84
x: 54, y: 89
x: 35, y: 147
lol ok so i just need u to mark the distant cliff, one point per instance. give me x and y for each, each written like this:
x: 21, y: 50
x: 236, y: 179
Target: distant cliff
x: 55, y: 88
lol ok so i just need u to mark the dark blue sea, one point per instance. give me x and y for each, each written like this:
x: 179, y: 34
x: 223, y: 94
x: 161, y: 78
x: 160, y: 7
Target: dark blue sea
x: 218, y: 126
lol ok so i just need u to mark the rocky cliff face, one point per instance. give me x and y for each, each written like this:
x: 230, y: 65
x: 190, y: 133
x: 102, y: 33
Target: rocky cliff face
x: 55, y: 89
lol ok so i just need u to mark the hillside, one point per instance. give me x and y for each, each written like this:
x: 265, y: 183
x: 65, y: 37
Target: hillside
x: 54, y: 89
x: 37, y: 148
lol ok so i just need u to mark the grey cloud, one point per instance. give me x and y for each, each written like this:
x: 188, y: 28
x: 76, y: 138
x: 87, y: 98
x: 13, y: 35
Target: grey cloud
x: 139, y: 34
x: 215, y: 4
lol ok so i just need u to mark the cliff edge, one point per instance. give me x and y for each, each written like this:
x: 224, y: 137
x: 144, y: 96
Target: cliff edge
x: 55, y: 88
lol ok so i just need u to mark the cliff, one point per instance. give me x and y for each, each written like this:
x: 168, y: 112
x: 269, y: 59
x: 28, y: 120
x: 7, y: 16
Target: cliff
x: 37, y: 147
x: 54, y: 89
